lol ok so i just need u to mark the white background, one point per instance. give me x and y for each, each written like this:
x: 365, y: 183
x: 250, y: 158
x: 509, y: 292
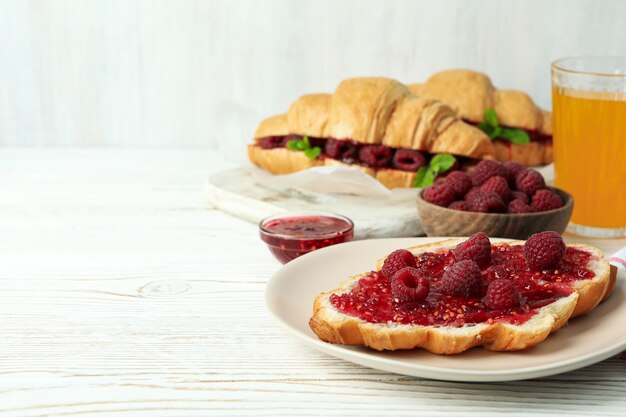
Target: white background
x: 203, y: 73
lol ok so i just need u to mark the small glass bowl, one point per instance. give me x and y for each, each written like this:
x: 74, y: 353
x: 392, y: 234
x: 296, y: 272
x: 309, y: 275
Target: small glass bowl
x: 292, y: 234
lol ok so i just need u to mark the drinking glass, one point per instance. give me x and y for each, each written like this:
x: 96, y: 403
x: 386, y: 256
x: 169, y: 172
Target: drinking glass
x: 589, y: 123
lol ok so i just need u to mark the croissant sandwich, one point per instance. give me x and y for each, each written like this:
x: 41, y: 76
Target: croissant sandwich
x: 472, y: 96
x: 374, y: 124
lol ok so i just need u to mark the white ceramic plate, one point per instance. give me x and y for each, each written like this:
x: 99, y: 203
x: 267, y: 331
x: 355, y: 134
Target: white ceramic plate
x: 586, y: 340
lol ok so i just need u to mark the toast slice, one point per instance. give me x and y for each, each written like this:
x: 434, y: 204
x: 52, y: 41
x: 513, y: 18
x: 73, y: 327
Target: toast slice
x: 508, y: 333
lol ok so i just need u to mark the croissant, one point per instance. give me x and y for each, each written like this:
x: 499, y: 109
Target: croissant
x: 375, y: 124
x: 470, y: 93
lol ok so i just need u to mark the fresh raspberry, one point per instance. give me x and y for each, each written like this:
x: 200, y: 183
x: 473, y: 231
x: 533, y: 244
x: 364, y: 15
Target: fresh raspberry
x: 460, y: 182
x: 520, y: 195
x: 397, y: 260
x: 410, y: 284
x: 544, y: 250
x: 271, y: 142
x: 546, y: 200
x: 459, y: 205
x: 486, y: 202
x: 517, y: 205
x: 376, y: 156
x: 514, y: 168
x: 441, y: 195
x: 502, y: 295
x: 408, y: 160
x: 487, y: 169
x: 342, y: 150
x: 498, y: 185
x: 476, y: 248
x: 530, y: 181
x: 471, y: 192
x: 463, y: 279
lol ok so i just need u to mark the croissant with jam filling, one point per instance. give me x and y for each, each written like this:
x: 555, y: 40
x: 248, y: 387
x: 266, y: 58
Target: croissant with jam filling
x: 471, y: 93
x: 375, y: 124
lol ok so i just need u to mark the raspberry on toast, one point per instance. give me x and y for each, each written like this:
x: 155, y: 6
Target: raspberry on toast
x: 362, y: 311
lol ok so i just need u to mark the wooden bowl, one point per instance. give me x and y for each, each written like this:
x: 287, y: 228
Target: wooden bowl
x: 442, y: 221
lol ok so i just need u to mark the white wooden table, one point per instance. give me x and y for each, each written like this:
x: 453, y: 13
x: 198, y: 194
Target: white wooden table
x: 122, y: 294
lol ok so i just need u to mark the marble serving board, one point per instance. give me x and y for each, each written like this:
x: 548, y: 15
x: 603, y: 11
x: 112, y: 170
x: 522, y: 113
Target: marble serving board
x: 240, y: 193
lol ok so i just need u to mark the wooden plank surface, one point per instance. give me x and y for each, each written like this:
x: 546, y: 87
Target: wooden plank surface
x: 121, y: 294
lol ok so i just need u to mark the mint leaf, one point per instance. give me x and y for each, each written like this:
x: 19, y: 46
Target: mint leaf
x: 304, y: 145
x: 518, y: 136
x: 492, y: 132
x: 490, y: 125
x: 484, y: 126
x: 489, y: 130
x: 313, y: 153
x: 441, y: 163
x: 491, y: 118
x: 424, y: 177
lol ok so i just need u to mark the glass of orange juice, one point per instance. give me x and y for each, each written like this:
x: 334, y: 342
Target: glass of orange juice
x: 589, y: 123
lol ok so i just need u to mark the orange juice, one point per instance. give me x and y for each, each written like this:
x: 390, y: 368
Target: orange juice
x: 590, y: 154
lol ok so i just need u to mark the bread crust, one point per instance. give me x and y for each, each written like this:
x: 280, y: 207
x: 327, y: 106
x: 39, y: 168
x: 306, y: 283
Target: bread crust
x: 592, y: 292
x: 470, y: 93
x: 272, y: 126
x: 308, y: 115
x: 360, y: 108
x: 394, y: 178
x: 335, y: 327
x: 532, y: 154
x: 281, y: 160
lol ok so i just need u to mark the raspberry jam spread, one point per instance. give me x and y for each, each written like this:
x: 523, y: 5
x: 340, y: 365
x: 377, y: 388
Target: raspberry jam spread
x: 371, y: 298
x: 291, y: 235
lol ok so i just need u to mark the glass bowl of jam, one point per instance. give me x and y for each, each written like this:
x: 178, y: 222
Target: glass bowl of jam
x: 292, y: 234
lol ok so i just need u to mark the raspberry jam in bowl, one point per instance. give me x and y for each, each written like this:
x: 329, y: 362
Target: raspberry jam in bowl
x: 292, y: 234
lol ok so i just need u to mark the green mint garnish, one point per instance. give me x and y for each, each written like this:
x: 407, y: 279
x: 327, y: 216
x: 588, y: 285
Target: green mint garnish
x: 437, y: 165
x: 491, y: 117
x: 304, y: 145
x: 441, y: 162
x: 294, y: 145
x: 518, y: 136
x: 313, y: 153
x: 425, y: 176
x: 491, y: 126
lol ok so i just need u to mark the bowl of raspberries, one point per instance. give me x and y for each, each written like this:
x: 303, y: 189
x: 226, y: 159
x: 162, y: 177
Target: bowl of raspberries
x: 501, y: 199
